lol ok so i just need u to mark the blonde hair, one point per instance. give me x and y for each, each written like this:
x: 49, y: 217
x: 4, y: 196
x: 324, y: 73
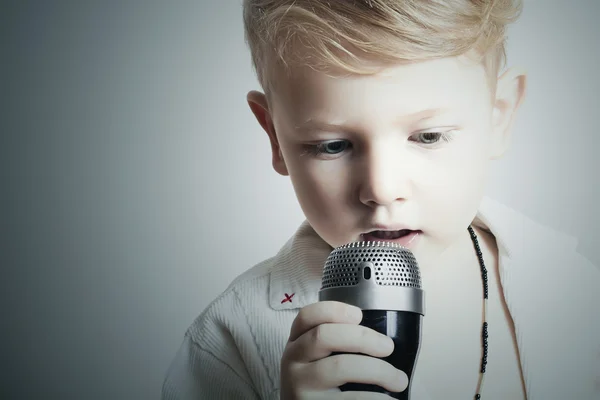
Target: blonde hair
x: 342, y: 35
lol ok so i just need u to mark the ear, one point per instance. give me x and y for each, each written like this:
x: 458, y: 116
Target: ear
x: 260, y: 108
x: 510, y: 93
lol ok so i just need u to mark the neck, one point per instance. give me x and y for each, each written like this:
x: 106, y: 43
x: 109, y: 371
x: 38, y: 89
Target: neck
x: 459, y: 258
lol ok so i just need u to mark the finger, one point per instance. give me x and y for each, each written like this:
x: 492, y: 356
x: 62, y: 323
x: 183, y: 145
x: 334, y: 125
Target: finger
x: 334, y: 371
x: 339, y: 395
x: 324, y: 339
x: 324, y: 312
x: 362, y: 396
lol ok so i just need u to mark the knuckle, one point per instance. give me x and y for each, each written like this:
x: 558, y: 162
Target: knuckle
x: 363, y: 333
x: 335, y: 365
x: 368, y: 338
x: 341, y: 309
x: 300, y: 324
x: 301, y: 318
x: 318, y: 335
x: 331, y: 310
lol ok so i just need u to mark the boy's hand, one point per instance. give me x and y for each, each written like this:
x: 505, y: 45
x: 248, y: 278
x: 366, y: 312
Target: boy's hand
x: 329, y: 326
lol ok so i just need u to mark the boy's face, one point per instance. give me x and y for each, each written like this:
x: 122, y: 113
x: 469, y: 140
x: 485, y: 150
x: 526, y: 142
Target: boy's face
x: 405, y: 149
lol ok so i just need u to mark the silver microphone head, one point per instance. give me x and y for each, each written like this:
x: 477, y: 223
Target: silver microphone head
x: 373, y: 276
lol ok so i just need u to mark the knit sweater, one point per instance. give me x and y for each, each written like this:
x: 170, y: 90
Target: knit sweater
x: 233, y: 349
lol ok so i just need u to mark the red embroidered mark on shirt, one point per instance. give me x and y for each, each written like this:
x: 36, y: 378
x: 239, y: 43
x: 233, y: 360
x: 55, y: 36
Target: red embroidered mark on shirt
x: 288, y: 298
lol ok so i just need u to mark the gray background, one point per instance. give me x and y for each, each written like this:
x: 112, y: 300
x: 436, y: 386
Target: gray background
x: 136, y: 184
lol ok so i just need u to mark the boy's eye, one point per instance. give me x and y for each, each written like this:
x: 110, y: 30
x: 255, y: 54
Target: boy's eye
x: 331, y: 148
x: 327, y: 149
x: 334, y: 147
x: 428, y: 137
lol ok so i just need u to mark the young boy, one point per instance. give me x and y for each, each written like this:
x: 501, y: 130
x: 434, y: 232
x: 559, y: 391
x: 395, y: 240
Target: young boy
x: 385, y: 115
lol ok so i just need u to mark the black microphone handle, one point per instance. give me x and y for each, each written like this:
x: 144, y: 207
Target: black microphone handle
x: 405, y: 330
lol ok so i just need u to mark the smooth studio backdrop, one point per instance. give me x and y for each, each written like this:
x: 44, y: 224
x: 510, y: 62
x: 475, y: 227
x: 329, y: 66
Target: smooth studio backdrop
x: 136, y: 184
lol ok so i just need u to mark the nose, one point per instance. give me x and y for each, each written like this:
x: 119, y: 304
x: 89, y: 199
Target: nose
x: 385, y: 177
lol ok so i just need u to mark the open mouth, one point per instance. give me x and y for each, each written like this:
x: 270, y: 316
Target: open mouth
x: 389, y: 235
x: 404, y: 237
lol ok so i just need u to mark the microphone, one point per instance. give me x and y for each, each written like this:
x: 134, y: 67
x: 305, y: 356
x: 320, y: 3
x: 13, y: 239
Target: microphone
x: 382, y: 279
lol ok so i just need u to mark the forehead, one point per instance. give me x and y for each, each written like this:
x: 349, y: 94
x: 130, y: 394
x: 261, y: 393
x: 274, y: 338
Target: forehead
x: 449, y: 83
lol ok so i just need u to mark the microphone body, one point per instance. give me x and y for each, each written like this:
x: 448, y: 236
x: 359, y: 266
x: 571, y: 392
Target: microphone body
x: 383, y: 280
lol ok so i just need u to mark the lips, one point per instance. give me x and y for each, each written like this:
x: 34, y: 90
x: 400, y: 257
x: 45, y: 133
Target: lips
x: 403, y: 237
x: 390, y: 234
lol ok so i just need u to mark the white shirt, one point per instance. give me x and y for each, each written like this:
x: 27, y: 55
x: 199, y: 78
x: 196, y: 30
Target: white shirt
x: 233, y: 349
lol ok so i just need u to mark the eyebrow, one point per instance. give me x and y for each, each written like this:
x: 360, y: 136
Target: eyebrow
x: 313, y: 124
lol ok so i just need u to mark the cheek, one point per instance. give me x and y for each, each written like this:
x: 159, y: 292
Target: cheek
x: 451, y: 176
x: 318, y: 188
x: 313, y: 177
x: 315, y: 187
x: 451, y: 200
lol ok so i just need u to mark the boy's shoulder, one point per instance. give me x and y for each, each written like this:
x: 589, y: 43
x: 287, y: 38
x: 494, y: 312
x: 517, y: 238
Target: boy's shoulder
x: 289, y: 280
x: 523, y: 238
x: 246, y: 290
x: 516, y: 231
x: 534, y: 251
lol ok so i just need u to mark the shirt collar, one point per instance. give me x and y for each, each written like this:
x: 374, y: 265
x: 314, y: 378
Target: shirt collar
x: 295, y: 279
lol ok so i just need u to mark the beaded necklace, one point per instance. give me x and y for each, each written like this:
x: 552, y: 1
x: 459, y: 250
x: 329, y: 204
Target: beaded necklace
x: 484, y: 328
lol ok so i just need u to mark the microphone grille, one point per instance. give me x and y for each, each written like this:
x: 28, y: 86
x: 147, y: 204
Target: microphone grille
x: 391, y: 265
